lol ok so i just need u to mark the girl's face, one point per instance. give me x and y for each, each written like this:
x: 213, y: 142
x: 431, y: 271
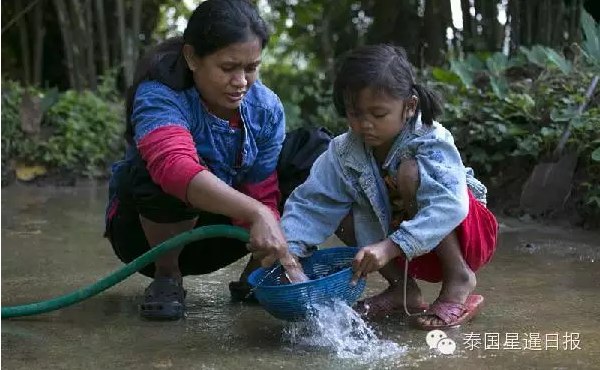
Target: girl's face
x: 379, y: 117
x: 225, y: 76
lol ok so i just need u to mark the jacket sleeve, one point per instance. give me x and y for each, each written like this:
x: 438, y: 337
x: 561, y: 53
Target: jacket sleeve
x: 315, y: 209
x: 442, y: 197
x: 162, y: 135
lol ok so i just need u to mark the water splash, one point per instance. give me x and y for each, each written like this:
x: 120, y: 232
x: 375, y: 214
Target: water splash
x: 339, y: 328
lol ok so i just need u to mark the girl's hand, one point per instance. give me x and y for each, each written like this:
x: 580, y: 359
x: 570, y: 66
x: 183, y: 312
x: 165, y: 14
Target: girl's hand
x: 373, y: 257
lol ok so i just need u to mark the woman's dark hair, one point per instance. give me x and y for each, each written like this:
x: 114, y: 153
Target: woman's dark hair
x: 214, y: 25
x: 384, y: 68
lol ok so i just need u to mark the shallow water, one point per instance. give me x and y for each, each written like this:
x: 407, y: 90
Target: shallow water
x: 337, y: 328
x: 538, y: 297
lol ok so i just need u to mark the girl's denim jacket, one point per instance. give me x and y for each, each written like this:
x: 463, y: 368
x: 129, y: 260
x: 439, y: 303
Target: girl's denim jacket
x: 346, y: 178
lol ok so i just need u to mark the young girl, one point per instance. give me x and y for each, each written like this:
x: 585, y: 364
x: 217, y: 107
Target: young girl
x: 396, y: 184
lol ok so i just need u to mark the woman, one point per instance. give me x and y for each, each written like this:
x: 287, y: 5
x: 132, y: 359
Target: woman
x: 204, y: 140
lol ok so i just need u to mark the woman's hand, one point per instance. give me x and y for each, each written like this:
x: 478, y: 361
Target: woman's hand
x: 267, y: 240
x: 294, y: 273
x: 373, y: 257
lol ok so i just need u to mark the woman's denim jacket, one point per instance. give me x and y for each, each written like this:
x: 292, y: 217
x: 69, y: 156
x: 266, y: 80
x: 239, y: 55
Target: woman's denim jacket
x: 217, y: 144
x: 346, y: 178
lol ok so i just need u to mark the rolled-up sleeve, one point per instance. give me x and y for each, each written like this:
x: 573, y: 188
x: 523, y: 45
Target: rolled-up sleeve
x: 442, y: 198
x: 315, y: 209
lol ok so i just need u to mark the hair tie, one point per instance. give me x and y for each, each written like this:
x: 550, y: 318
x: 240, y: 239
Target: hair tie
x: 415, y: 88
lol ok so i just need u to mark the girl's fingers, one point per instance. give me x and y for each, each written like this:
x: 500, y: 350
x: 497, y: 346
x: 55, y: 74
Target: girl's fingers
x: 368, y: 268
x: 365, y: 265
x: 356, y: 263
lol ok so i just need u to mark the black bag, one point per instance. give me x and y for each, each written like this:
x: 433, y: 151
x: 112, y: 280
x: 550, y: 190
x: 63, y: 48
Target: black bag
x: 301, y: 148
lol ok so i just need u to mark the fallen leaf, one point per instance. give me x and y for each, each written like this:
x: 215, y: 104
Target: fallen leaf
x: 29, y: 172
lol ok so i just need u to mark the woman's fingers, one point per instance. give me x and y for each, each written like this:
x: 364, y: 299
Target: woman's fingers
x: 268, y: 261
x: 259, y: 255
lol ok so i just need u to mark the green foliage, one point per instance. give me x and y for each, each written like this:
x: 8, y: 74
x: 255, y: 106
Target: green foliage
x: 510, y: 112
x: 306, y: 96
x: 591, y: 43
x: 80, y: 133
x: 506, y: 113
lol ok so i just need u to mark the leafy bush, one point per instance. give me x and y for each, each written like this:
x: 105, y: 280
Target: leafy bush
x: 509, y: 113
x: 506, y: 113
x: 306, y: 96
x: 80, y: 133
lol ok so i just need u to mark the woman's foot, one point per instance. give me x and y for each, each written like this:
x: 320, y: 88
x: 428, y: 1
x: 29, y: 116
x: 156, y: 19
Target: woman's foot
x: 240, y: 290
x: 164, y: 299
x: 456, y: 290
x: 391, y: 300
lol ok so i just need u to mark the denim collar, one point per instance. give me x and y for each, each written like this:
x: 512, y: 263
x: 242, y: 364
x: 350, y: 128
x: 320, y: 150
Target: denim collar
x: 358, y: 160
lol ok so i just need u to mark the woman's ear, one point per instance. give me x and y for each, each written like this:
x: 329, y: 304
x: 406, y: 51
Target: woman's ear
x: 188, y: 54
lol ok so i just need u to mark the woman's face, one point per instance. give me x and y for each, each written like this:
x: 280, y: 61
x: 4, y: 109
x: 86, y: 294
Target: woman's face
x: 225, y: 76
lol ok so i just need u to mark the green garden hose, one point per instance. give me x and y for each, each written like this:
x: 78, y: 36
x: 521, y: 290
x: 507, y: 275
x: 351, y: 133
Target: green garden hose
x: 205, y: 232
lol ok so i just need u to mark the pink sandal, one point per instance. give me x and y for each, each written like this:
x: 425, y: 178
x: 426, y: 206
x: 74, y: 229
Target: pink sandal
x: 452, y: 314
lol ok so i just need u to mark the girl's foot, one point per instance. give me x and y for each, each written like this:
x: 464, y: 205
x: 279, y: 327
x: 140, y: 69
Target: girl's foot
x: 456, y: 289
x: 391, y: 301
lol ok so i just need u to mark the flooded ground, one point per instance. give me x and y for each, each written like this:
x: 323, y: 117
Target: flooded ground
x: 542, y: 293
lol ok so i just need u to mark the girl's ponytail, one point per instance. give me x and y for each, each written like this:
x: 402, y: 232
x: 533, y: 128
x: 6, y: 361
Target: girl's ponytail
x: 430, y: 104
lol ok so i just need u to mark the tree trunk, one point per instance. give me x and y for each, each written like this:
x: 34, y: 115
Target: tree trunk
x: 528, y: 17
x: 434, y: 32
x: 575, y: 29
x: 80, y: 43
x: 407, y: 30
x: 446, y: 15
x: 385, y: 13
x: 136, y: 25
x: 91, y: 60
x: 514, y: 7
x: 542, y: 26
x: 105, y: 54
x: 25, y: 50
x: 489, y: 16
x: 398, y: 23
x: 65, y: 29
x: 548, y: 22
x: 559, y: 25
x: 40, y: 33
x: 469, y: 30
x: 125, y: 57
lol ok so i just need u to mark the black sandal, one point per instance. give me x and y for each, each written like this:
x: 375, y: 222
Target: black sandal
x: 164, y: 299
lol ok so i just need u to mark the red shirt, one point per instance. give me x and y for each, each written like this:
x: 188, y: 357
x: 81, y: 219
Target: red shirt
x: 172, y: 161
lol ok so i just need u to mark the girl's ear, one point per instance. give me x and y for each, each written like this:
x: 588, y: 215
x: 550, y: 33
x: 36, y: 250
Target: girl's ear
x: 411, y: 106
x: 188, y: 54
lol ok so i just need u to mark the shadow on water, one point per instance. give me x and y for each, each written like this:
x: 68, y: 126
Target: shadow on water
x: 541, y: 288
